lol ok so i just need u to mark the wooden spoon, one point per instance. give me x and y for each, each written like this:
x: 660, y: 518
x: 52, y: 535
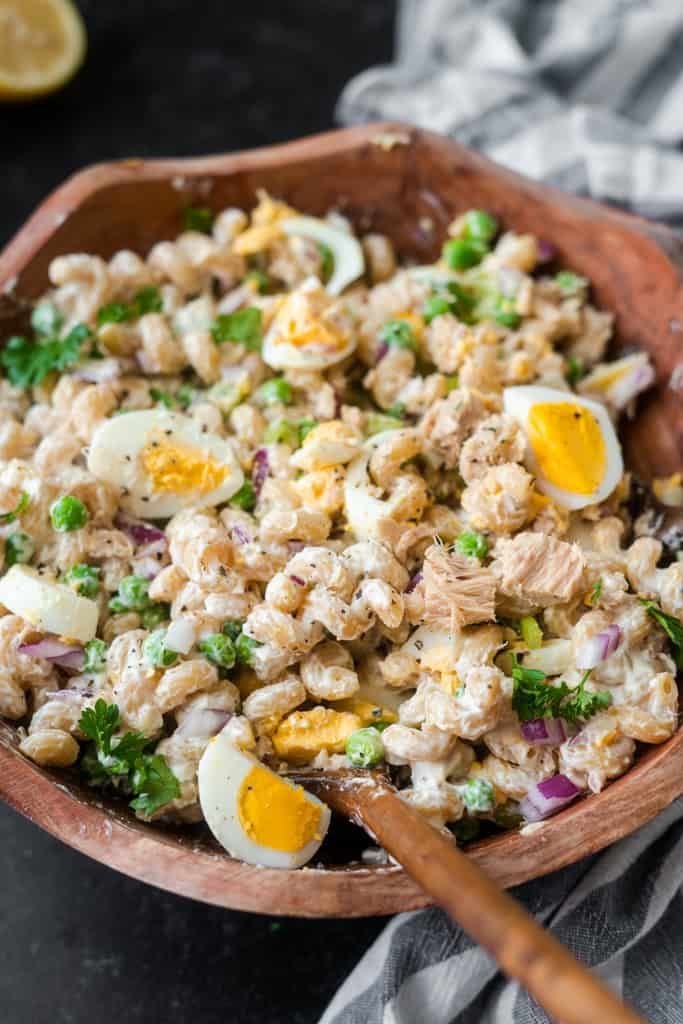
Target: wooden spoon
x: 524, y: 950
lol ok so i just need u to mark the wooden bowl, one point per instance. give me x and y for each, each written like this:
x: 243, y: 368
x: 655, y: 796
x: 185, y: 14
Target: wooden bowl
x: 409, y: 184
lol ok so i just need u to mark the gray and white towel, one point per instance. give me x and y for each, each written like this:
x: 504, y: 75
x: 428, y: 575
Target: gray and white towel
x: 586, y: 95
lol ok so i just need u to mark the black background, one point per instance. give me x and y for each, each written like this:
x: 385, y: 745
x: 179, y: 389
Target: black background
x: 79, y: 942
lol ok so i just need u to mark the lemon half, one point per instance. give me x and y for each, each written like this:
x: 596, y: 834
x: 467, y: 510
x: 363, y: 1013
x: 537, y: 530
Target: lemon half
x: 42, y: 44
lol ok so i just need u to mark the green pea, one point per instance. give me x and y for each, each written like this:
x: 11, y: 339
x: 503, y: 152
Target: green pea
x: 477, y: 795
x: 198, y: 218
x: 377, y: 423
x: 19, y: 548
x: 305, y: 426
x: 244, y: 649
x: 83, y: 579
x: 68, y: 513
x: 364, y: 748
x: 133, y: 595
x: 156, y: 652
x: 570, y: 282
x: 282, y: 431
x: 232, y: 629
x: 435, y: 305
x: 245, y: 498
x: 473, y: 544
x: 398, y: 334
x: 153, y: 616
x: 219, y: 649
x: 275, y: 390
x: 185, y: 395
x: 260, y: 279
x: 463, y: 253
x: 480, y: 225
x: 95, y: 656
x: 452, y: 382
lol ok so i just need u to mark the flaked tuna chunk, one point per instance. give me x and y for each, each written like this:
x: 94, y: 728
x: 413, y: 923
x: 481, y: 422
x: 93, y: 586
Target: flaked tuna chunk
x: 539, y: 569
x: 458, y: 590
x: 445, y: 426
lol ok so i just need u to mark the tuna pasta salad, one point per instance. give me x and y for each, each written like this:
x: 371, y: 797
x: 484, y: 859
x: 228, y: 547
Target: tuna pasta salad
x: 270, y: 499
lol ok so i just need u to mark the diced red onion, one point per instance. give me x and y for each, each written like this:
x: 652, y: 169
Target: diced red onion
x: 203, y: 723
x: 260, y: 469
x: 240, y: 535
x: 74, y: 660
x: 544, y: 732
x: 71, y: 694
x: 141, y: 533
x: 180, y: 636
x: 599, y: 647
x: 299, y: 582
x: 546, y: 251
x: 295, y: 546
x: 548, y: 797
x: 413, y: 582
x: 382, y: 350
x: 59, y: 653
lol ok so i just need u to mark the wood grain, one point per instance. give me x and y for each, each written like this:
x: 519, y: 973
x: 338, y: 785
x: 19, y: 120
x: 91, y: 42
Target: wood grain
x: 410, y: 190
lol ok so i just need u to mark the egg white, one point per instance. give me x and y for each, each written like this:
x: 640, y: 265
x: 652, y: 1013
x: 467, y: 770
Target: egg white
x: 280, y: 354
x: 362, y: 509
x: 49, y: 606
x: 347, y: 251
x: 518, y: 402
x: 116, y: 455
x: 222, y: 770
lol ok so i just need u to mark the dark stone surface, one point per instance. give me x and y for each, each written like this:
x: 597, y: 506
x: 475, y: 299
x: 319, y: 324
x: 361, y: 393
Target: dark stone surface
x: 80, y: 943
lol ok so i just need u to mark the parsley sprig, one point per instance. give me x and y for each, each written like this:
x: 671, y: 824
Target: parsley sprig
x: 27, y: 363
x: 242, y: 328
x: 125, y: 761
x: 147, y: 300
x: 533, y: 697
x: 671, y: 626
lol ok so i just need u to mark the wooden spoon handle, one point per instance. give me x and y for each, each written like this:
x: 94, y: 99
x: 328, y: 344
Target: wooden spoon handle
x: 524, y: 950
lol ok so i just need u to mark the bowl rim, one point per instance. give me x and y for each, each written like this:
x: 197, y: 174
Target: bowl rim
x: 153, y: 856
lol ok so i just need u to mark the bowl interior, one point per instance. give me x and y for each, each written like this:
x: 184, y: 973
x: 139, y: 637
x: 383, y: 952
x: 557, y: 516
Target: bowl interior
x: 408, y: 185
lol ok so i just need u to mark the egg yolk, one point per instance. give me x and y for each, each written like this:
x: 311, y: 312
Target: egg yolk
x: 275, y: 814
x: 568, y: 444
x: 180, y: 469
x: 303, y: 734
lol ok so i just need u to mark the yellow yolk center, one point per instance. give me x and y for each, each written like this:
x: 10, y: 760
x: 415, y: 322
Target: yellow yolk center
x: 275, y: 814
x: 180, y: 469
x: 568, y: 444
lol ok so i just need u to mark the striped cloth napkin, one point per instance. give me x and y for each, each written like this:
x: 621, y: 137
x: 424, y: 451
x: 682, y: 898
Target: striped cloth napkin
x: 586, y: 95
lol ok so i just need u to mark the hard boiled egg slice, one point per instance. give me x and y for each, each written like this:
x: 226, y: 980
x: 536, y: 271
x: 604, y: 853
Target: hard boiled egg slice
x: 620, y: 381
x: 346, y: 250
x: 49, y: 606
x: 258, y: 816
x: 308, y: 332
x: 572, y: 447
x: 164, y: 462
